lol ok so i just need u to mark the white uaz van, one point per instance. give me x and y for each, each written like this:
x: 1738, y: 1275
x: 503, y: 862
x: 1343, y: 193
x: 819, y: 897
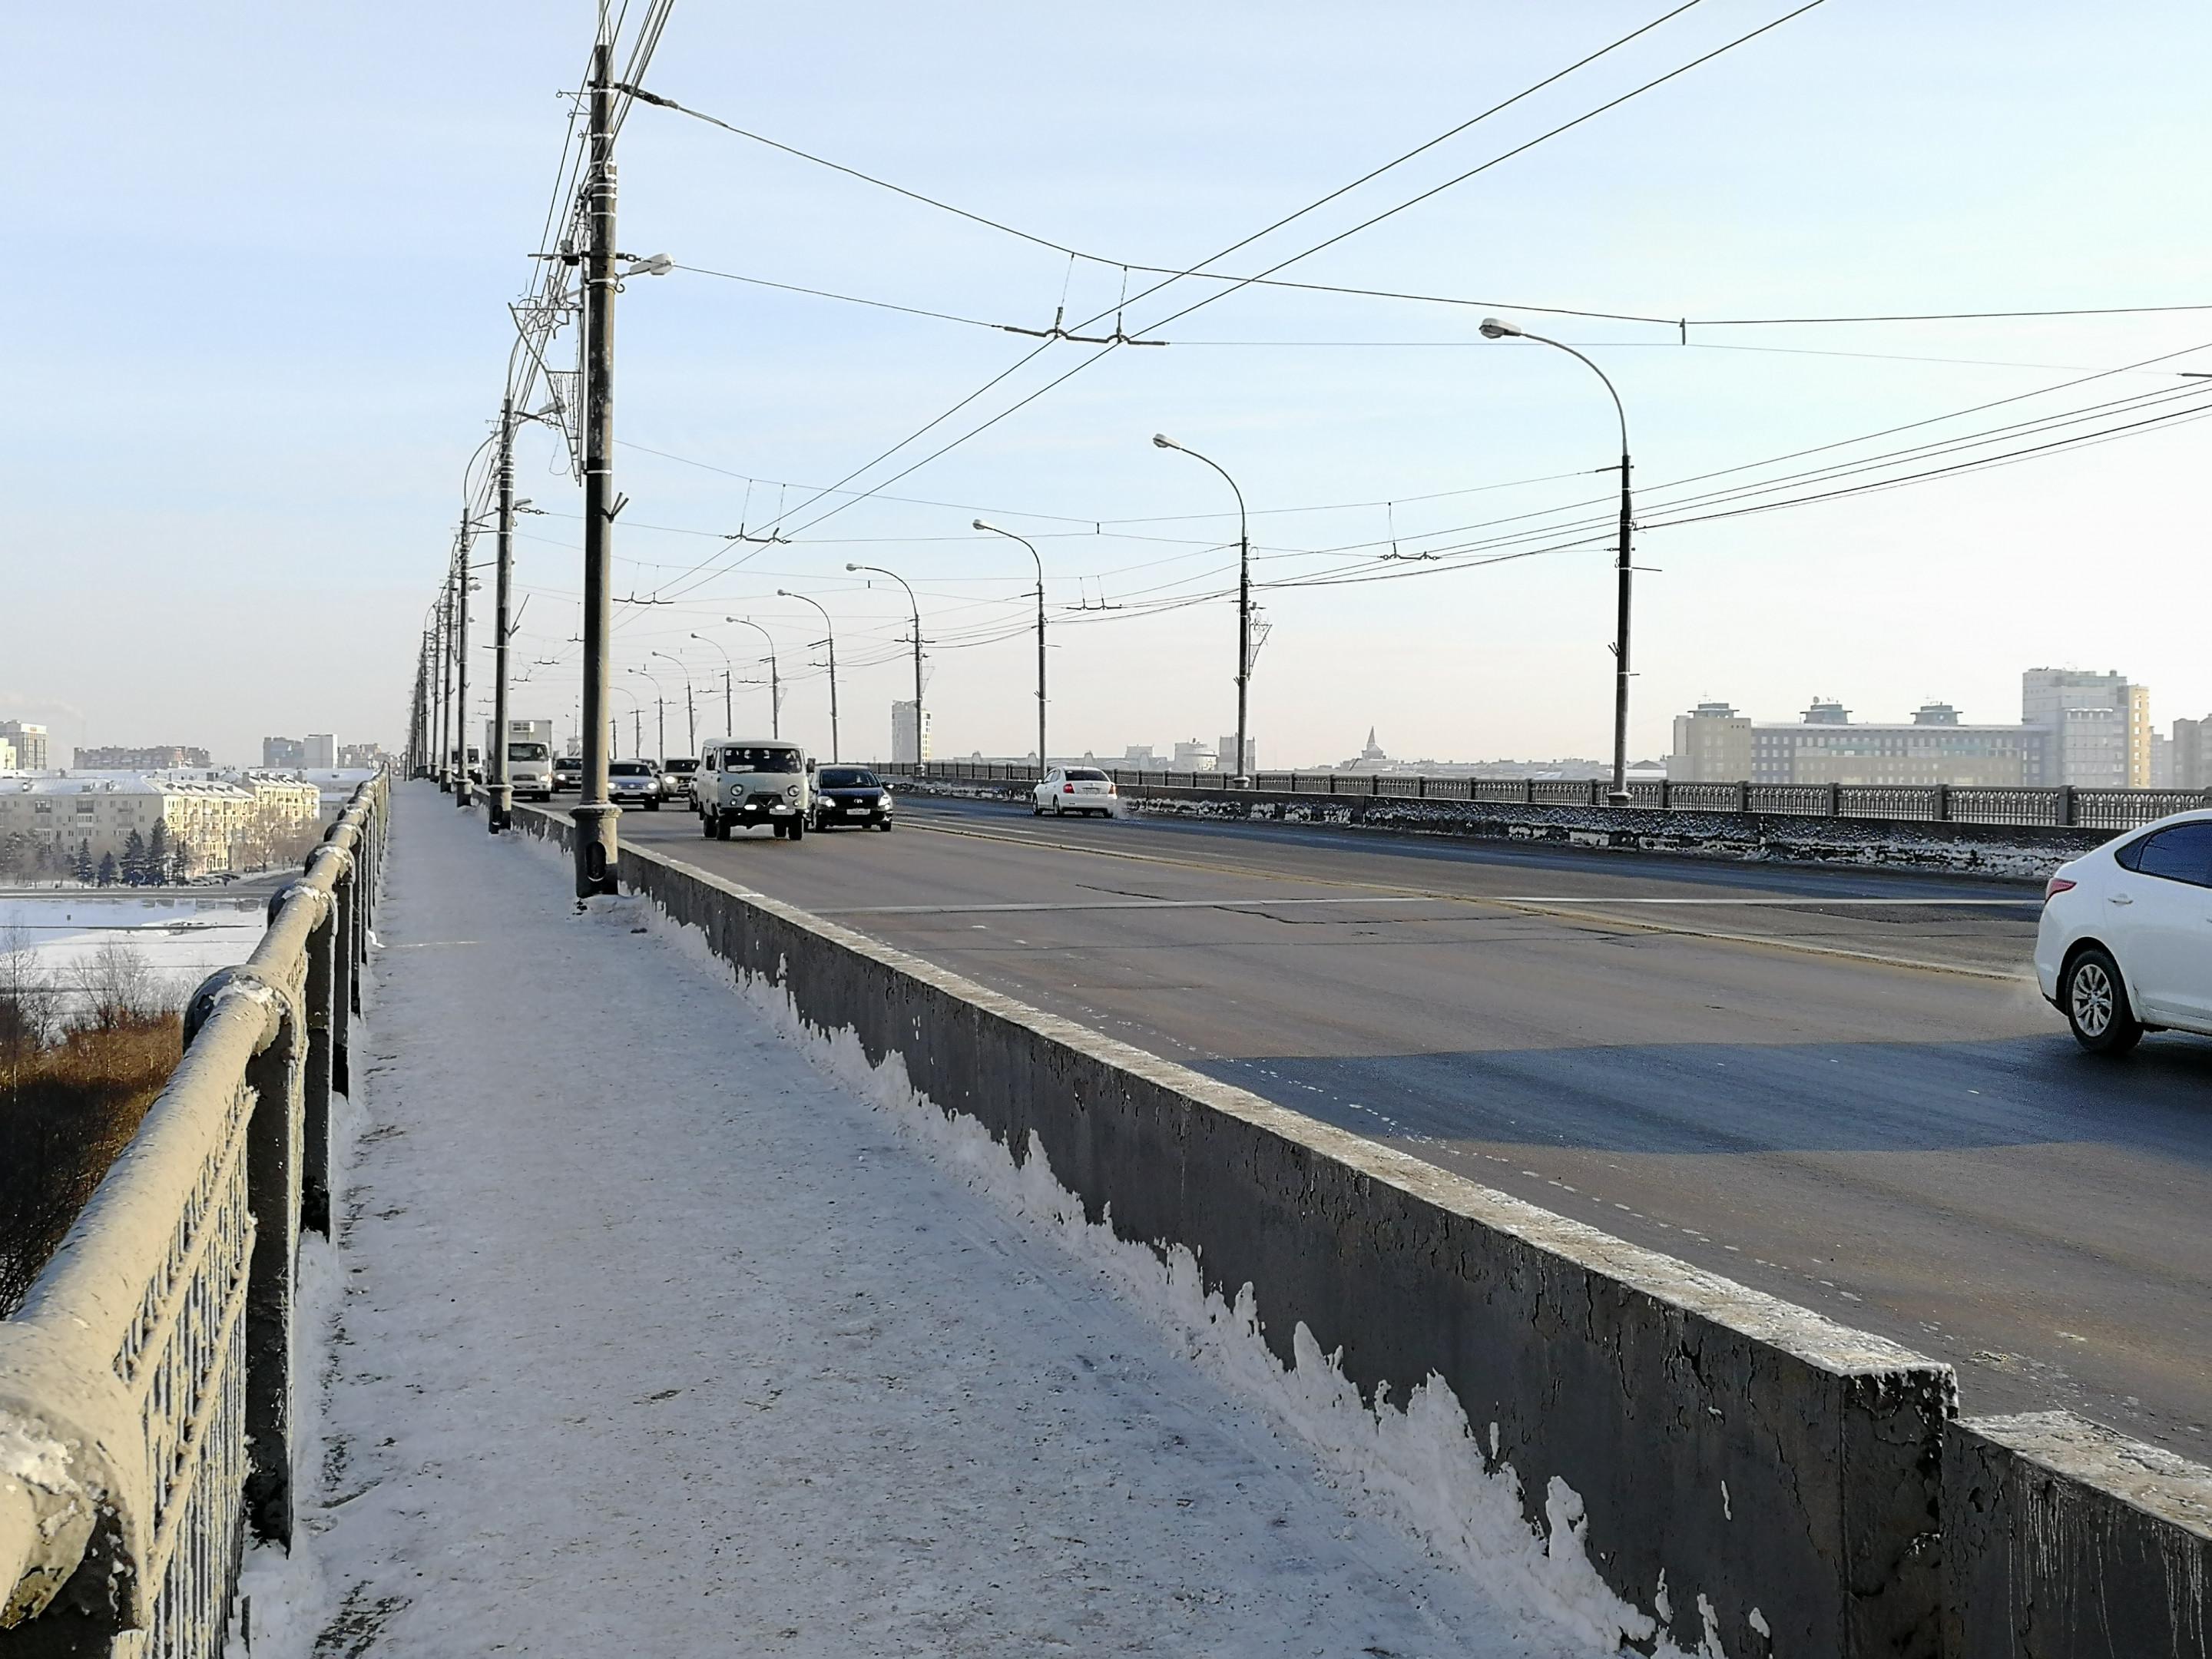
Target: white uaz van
x: 744, y: 781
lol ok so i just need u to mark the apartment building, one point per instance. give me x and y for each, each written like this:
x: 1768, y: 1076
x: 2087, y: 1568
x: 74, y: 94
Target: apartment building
x: 29, y: 743
x: 160, y: 757
x: 2096, y: 728
x: 218, y: 825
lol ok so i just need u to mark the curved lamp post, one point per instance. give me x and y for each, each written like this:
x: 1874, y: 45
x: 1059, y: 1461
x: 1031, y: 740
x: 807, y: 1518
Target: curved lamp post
x: 729, y: 720
x: 1044, y: 763
x: 1493, y: 329
x: 1243, y: 602
x: 920, y: 730
x: 775, y: 681
x: 832, y: 631
x: 661, y: 702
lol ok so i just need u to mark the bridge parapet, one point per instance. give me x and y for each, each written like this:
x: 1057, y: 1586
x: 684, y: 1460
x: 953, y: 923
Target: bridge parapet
x: 146, y: 1387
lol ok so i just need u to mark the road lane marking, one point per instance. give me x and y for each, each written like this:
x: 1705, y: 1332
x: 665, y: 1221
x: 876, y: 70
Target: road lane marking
x: 1557, y: 909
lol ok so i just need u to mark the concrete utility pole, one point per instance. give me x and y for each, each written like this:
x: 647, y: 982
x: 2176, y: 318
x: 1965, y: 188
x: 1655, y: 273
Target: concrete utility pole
x: 1044, y: 758
x: 661, y: 703
x: 1493, y: 329
x: 1243, y: 603
x: 829, y: 629
x: 775, y: 679
x: 500, y: 813
x: 461, y: 664
x: 595, y: 815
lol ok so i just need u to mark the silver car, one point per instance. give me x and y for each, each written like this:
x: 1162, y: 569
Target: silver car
x: 634, y: 783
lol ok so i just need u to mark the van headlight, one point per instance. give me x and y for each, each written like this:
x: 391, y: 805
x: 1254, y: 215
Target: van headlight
x: 791, y: 793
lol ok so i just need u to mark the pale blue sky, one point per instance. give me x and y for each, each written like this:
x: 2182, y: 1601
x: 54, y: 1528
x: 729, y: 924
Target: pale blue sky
x: 262, y: 254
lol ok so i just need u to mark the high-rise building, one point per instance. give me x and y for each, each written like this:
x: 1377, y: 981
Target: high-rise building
x: 1226, y: 750
x: 2096, y: 728
x: 7, y: 756
x: 29, y: 743
x: 321, y: 749
x: 355, y: 756
x: 1712, y: 744
x: 283, y: 751
x: 2192, y: 753
x: 908, y: 748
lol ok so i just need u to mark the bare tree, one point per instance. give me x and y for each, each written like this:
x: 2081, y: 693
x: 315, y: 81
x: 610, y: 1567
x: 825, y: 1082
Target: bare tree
x: 29, y: 999
x: 117, y: 987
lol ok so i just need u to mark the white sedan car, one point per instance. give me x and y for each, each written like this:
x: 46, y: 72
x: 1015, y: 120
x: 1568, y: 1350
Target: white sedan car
x: 2125, y: 944
x: 1084, y: 789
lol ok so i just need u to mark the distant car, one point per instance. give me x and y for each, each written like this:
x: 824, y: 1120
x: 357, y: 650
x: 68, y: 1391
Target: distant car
x: 2125, y: 943
x: 676, y: 774
x: 634, y: 783
x: 1084, y: 789
x: 851, y: 796
x: 567, y: 773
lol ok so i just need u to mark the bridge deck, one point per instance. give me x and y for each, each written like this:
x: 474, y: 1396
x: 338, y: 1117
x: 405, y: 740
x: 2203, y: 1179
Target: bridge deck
x: 653, y: 1341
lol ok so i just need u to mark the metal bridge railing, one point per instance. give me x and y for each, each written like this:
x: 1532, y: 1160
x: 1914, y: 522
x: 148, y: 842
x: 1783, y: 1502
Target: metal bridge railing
x: 146, y: 1386
x: 2063, y: 807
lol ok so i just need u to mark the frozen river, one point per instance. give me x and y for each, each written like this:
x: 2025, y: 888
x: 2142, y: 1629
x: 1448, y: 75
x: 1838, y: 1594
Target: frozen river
x: 182, y: 937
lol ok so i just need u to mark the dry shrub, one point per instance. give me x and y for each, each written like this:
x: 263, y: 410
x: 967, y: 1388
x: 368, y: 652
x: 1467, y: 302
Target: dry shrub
x: 67, y: 1108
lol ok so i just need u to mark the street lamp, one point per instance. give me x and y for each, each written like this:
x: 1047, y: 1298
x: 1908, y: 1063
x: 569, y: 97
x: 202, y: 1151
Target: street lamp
x: 828, y: 628
x: 660, y: 701
x: 1243, y: 602
x: 690, y: 714
x: 774, y: 683
x: 1044, y: 763
x: 920, y: 761
x: 1492, y: 329
x: 729, y: 720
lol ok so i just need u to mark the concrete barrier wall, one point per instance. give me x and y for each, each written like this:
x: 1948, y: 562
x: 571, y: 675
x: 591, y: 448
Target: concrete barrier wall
x: 2064, y: 1541
x: 1751, y: 1472
x: 1980, y: 849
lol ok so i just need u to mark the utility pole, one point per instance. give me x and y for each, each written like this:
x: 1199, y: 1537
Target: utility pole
x: 461, y: 664
x: 446, y: 692
x: 690, y: 721
x: 500, y: 813
x: 594, y: 815
x: 831, y: 629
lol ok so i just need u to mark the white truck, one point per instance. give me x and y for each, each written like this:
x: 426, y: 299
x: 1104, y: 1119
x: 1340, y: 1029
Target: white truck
x: 529, y: 757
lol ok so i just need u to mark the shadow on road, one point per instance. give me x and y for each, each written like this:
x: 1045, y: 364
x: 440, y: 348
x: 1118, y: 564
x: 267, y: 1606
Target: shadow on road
x: 1737, y: 1098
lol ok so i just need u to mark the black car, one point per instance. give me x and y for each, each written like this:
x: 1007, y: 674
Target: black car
x: 568, y: 772
x: 850, y: 795
x: 676, y: 771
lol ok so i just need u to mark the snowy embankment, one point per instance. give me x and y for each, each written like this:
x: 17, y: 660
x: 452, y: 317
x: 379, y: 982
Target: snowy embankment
x: 654, y: 1338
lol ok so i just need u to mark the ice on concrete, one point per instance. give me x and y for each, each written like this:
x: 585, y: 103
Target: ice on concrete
x: 653, y: 1339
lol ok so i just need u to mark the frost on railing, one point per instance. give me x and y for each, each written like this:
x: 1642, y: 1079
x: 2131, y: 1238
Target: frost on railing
x: 146, y: 1391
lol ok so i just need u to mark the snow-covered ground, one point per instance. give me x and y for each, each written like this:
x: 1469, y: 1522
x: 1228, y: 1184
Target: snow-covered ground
x: 183, y: 937
x: 655, y: 1339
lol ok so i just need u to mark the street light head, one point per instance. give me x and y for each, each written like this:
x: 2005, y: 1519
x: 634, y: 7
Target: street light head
x: 657, y: 264
x: 785, y: 593
x: 1492, y: 329
x: 852, y: 567
x: 980, y: 525
x: 1164, y: 442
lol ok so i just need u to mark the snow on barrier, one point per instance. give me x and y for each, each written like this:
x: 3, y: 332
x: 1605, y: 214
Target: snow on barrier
x: 1750, y: 1478
x: 146, y: 1386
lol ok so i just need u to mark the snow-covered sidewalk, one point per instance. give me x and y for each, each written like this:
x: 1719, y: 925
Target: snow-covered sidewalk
x: 654, y: 1340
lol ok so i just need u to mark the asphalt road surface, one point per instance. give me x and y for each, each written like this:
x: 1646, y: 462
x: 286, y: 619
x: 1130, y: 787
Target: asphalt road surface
x: 1839, y: 1086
